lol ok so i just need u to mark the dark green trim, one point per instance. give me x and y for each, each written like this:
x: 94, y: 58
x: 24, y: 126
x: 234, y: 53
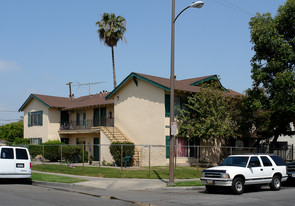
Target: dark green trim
x: 41, y: 118
x: 29, y: 119
x: 134, y: 75
x: 135, y: 81
x: 167, y: 105
x: 167, y: 147
x: 28, y: 99
x: 214, y: 77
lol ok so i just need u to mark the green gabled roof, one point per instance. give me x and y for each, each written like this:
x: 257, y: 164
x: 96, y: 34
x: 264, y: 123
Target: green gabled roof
x: 28, y: 99
x: 145, y: 78
x: 213, y: 77
x: 185, y: 85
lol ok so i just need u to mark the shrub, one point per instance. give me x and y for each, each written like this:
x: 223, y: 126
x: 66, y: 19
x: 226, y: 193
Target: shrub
x: 74, y: 153
x: 52, y: 150
x: 35, y: 150
x: 21, y: 141
x: 71, y: 153
x: 115, y: 150
x: 85, y: 156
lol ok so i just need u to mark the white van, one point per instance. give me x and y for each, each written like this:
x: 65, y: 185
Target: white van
x: 15, y: 162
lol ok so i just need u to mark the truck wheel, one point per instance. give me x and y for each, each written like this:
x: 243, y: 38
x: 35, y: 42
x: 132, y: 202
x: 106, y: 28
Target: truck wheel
x: 238, y: 185
x: 275, y: 183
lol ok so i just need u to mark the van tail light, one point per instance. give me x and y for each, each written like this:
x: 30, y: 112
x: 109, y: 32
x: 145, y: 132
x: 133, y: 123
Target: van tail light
x: 30, y: 165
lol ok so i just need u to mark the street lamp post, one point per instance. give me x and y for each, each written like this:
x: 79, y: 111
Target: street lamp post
x: 197, y: 4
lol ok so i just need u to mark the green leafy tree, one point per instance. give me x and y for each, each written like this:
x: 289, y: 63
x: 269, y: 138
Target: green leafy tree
x: 273, y: 64
x: 111, y: 30
x: 12, y: 131
x: 209, y: 115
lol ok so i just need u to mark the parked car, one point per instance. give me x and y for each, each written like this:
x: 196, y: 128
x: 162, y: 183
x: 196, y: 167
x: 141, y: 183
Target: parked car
x: 291, y: 170
x: 15, y: 162
x: 236, y: 171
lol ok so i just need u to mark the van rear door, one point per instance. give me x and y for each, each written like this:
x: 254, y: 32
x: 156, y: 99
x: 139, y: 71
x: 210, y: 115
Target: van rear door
x: 22, y: 164
x: 7, y: 161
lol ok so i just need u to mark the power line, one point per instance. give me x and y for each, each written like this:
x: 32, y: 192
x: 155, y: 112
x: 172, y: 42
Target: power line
x: 9, y: 120
x: 233, y: 6
x: 8, y: 111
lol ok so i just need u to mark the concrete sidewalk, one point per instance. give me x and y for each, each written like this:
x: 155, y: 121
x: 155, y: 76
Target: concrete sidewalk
x: 120, y: 183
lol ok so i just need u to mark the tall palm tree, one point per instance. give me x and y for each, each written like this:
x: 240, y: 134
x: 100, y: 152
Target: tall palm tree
x: 111, y: 30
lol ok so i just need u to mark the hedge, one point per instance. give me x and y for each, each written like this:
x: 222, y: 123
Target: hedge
x: 115, y: 150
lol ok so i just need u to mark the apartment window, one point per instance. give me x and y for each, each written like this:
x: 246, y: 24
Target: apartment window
x: 182, y: 147
x: 65, y: 140
x: 179, y: 103
x: 35, y: 118
x: 36, y: 141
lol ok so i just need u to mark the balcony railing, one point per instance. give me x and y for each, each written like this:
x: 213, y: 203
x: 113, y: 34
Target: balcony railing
x: 86, y: 124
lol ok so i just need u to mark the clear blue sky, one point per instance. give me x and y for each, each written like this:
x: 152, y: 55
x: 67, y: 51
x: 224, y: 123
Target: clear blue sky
x: 45, y: 44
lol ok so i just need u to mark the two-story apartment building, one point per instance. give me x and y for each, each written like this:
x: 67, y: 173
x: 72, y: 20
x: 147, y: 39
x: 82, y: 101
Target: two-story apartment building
x: 137, y: 110
x: 70, y: 120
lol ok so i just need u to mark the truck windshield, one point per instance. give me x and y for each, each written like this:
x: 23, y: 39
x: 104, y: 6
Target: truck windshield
x: 235, y: 161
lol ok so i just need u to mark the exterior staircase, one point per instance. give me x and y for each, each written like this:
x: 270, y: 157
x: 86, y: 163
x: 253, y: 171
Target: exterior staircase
x: 114, y: 134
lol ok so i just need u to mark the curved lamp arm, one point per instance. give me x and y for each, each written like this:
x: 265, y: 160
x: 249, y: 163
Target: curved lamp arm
x: 197, y: 4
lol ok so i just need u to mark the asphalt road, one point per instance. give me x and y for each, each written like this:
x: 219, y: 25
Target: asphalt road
x: 28, y: 195
x: 43, y: 195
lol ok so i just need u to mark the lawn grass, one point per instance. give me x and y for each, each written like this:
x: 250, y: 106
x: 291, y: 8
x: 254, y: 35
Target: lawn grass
x: 141, y: 173
x: 55, y: 178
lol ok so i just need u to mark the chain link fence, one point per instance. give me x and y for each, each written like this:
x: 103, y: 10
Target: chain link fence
x: 129, y: 155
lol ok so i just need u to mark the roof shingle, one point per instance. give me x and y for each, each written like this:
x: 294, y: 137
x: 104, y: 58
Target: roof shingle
x: 67, y: 103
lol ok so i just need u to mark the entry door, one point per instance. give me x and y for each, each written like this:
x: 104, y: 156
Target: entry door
x: 96, y: 149
x: 96, y: 117
x: 254, y: 171
x: 103, y: 117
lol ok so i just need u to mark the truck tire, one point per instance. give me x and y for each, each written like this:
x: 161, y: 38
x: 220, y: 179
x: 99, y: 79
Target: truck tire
x: 238, y: 186
x: 275, y: 183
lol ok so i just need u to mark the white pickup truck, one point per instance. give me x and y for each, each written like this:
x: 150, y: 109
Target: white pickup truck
x: 236, y: 171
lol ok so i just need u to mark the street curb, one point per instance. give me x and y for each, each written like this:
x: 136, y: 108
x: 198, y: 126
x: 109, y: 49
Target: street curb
x: 37, y: 183
x: 75, y: 186
x: 186, y: 188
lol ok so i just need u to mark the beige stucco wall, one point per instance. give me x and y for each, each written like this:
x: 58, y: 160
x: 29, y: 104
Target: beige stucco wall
x: 36, y: 131
x: 53, y: 124
x: 140, y: 112
x: 50, y: 126
x: 105, y: 154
